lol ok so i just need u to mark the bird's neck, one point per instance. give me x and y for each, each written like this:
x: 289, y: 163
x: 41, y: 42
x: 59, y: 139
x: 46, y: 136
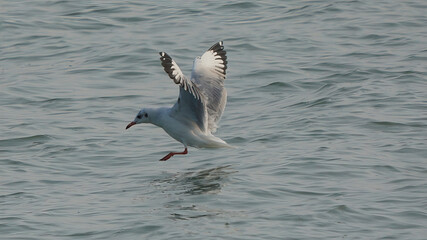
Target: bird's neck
x: 158, y: 115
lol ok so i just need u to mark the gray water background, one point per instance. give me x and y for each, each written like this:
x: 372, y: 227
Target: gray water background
x: 327, y: 106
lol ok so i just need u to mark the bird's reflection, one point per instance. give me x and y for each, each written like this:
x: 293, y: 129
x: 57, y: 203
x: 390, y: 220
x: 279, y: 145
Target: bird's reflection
x: 209, y: 181
x: 192, y: 185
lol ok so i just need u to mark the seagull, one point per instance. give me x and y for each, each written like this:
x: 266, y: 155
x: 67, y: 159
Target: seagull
x: 193, y: 119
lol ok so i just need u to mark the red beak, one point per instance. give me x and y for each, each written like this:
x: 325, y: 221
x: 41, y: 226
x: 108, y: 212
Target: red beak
x: 130, y: 124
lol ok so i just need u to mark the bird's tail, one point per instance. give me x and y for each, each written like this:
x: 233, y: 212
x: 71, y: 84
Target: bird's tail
x: 216, y: 142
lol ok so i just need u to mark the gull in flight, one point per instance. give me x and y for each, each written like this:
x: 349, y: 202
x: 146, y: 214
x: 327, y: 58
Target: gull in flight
x: 201, y: 102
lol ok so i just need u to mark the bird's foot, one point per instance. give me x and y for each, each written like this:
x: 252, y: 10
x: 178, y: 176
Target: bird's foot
x: 167, y: 157
x: 173, y: 153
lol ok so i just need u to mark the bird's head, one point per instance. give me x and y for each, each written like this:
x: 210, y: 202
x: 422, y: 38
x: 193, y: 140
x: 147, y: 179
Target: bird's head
x: 143, y: 116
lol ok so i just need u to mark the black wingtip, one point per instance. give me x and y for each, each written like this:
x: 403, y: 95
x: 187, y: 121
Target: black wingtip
x: 164, y: 55
x: 167, y: 64
x: 217, y: 46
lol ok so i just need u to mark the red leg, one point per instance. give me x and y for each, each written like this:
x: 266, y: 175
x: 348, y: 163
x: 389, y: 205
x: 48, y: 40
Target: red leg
x: 173, y: 153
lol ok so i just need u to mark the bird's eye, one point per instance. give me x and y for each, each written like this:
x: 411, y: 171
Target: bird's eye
x: 145, y: 115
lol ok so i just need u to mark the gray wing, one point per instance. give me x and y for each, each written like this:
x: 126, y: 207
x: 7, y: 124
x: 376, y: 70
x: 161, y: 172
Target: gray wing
x: 190, y: 107
x: 208, y: 74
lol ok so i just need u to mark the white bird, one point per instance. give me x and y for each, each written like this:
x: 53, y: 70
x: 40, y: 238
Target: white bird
x: 201, y: 102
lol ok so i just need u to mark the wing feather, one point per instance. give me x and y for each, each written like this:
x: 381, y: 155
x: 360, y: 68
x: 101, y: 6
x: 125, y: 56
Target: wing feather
x: 190, y: 106
x: 209, y: 72
x: 175, y: 73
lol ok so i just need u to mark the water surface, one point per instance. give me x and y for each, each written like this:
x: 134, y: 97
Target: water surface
x: 327, y: 106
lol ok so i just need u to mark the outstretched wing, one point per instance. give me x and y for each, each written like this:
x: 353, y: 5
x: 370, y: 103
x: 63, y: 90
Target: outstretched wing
x: 190, y: 107
x: 208, y: 74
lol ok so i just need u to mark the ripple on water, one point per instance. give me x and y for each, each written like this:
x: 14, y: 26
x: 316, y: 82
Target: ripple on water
x: 277, y: 86
x: 239, y: 5
x: 26, y: 141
